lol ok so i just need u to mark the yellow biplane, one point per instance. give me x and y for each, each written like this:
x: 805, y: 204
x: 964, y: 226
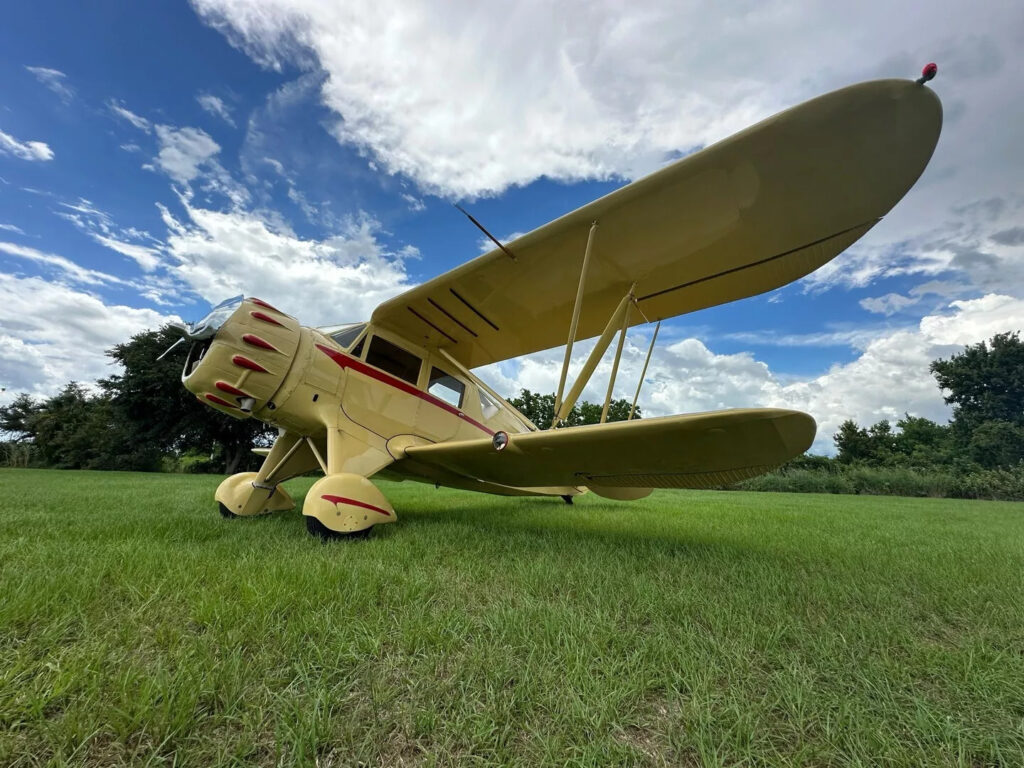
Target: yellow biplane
x: 395, y: 396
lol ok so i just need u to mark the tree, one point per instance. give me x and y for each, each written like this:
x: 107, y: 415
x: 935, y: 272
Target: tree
x: 161, y: 416
x: 74, y: 429
x: 853, y: 443
x: 985, y: 383
x: 540, y: 409
x: 922, y: 442
x: 16, y: 418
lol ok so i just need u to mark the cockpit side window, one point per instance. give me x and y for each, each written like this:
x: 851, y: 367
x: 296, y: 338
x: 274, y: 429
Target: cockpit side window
x: 446, y: 387
x: 393, y: 359
x: 487, y: 406
x: 357, y: 350
x: 346, y: 336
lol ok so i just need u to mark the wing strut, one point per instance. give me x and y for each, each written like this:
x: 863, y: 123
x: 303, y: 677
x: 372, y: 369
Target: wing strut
x: 615, y: 365
x: 619, y: 316
x: 577, y: 305
x: 640, y: 384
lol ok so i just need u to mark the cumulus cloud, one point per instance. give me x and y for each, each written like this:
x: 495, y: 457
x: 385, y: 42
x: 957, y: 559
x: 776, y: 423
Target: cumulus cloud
x: 469, y: 101
x: 466, y: 101
x: 216, y: 106
x: 24, y: 150
x: 55, y: 80
x: 219, y: 254
x: 39, y: 354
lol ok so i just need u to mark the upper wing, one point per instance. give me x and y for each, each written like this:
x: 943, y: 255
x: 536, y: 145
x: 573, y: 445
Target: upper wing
x: 744, y: 216
x: 694, y: 451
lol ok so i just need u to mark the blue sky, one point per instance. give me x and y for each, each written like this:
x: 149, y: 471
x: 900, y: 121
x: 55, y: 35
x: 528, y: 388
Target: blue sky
x: 158, y: 157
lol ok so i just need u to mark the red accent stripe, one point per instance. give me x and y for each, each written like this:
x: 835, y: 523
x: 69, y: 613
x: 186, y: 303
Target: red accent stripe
x: 220, y: 401
x: 265, y: 318
x: 245, y: 362
x: 223, y: 386
x: 353, y: 503
x: 358, y: 365
x: 256, y: 341
x: 262, y: 303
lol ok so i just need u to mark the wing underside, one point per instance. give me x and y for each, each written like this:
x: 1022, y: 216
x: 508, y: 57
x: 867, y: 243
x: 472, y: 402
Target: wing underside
x: 694, y: 451
x: 744, y: 216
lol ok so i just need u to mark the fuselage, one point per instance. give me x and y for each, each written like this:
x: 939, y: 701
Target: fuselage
x: 360, y: 394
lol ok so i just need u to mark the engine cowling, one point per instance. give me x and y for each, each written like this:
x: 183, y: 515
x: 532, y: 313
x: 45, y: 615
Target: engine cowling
x: 238, y: 369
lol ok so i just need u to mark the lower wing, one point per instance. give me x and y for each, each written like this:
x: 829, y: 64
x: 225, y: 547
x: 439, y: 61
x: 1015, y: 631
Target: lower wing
x: 699, y: 450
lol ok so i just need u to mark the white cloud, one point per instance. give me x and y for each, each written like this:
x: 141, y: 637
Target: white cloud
x: 147, y: 258
x: 888, y: 378
x: 55, y: 80
x: 220, y: 254
x: 889, y: 304
x: 52, y: 333
x: 99, y: 226
x: 468, y: 101
x: 415, y: 204
x: 216, y: 106
x: 852, y: 337
x: 126, y: 114
x: 465, y: 100
x: 190, y: 155
x: 66, y: 268
x: 24, y: 150
x: 183, y: 151
x: 12, y: 228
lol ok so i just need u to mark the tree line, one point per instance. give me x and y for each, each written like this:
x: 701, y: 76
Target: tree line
x: 143, y: 419
x: 985, y: 386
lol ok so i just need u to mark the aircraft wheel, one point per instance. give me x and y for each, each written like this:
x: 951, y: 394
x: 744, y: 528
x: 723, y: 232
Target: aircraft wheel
x: 344, y: 504
x: 225, y: 512
x: 238, y: 495
x: 325, y: 534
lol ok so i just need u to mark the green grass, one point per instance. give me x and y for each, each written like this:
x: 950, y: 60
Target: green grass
x: 692, y: 628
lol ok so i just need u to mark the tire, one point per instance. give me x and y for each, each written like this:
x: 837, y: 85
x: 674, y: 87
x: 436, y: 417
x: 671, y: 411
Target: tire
x: 226, y: 513
x: 325, y: 534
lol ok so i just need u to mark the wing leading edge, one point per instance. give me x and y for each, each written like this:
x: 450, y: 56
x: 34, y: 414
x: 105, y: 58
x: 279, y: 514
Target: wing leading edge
x: 698, y: 450
x: 744, y: 216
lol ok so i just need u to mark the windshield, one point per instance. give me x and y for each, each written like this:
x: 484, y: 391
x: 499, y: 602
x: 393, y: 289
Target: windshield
x: 344, y: 335
x: 210, y: 324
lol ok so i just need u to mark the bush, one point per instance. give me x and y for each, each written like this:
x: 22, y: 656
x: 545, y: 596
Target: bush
x: 829, y: 476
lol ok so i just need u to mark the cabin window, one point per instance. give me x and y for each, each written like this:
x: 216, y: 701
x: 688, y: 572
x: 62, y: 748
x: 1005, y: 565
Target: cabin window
x: 346, y: 336
x: 393, y: 359
x: 446, y: 387
x: 357, y: 350
x: 487, y: 405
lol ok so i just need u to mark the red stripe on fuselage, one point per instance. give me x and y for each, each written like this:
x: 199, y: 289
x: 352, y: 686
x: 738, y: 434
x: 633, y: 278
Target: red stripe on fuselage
x: 358, y: 365
x: 354, y: 503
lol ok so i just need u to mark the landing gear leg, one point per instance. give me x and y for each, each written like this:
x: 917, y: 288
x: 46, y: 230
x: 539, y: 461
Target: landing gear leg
x: 346, y: 503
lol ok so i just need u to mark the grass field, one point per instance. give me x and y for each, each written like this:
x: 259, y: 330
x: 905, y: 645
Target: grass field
x: 692, y: 628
